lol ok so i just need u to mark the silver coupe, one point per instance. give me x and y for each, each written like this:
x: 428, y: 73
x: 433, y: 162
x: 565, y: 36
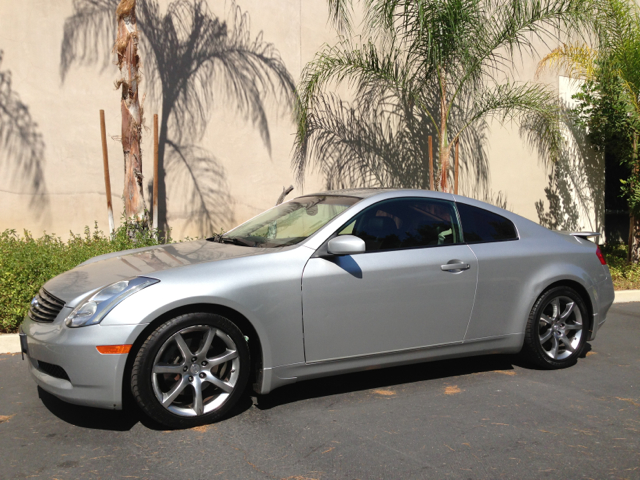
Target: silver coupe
x: 321, y: 285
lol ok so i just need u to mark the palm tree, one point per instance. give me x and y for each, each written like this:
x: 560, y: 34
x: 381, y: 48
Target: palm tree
x: 191, y: 57
x: 437, y: 57
x: 126, y: 48
x: 610, y: 98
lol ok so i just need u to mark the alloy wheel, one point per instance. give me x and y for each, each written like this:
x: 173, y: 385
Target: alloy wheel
x: 560, y: 327
x: 195, y: 370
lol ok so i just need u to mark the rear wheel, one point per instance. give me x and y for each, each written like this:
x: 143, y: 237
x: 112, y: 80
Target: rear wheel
x: 557, y: 329
x: 191, y: 370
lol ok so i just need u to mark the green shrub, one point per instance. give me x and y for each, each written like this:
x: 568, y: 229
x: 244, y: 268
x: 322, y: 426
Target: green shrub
x: 26, y: 263
x: 625, y: 276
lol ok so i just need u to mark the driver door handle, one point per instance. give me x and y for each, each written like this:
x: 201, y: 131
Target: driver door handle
x: 455, y: 266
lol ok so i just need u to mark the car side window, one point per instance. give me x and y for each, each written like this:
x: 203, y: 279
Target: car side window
x: 482, y: 226
x: 405, y: 223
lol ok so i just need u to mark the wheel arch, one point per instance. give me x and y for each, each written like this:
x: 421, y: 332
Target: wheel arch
x: 245, y: 326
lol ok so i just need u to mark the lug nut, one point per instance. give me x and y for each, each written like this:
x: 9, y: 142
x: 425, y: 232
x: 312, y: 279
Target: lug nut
x: 202, y: 375
x: 184, y: 369
x: 190, y: 379
x: 204, y: 363
x: 193, y: 359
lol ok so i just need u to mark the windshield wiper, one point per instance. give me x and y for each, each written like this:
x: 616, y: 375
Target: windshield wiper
x: 218, y: 237
x: 235, y: 241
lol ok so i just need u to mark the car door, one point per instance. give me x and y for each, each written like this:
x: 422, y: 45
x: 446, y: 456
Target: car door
x: 413, y: 287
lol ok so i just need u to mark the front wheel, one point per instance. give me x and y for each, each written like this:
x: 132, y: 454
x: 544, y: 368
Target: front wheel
x: 557, y: 329
x: 191, y: 370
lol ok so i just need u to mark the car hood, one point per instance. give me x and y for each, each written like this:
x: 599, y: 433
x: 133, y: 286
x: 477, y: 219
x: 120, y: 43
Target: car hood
x: 112, y: 267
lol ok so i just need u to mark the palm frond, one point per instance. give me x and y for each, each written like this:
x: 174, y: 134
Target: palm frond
x: 533, y: 107
x: 575, y: 60
x: 363, y: 66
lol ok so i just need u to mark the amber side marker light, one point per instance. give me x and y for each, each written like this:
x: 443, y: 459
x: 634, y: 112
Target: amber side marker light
x: 113, y: 349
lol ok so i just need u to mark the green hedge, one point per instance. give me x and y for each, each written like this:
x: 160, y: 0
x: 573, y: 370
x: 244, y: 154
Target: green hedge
x: 26, y: 263
x: 624, y: 275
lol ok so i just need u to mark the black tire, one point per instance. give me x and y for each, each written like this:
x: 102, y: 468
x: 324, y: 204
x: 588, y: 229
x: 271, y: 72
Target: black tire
x: 178, y: 379
x: 547, y: 329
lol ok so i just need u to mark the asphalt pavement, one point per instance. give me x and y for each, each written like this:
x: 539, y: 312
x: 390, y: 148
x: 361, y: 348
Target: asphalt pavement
x: 476, y: 418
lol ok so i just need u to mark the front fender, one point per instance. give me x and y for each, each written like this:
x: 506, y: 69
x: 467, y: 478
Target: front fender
x: 265, y: 289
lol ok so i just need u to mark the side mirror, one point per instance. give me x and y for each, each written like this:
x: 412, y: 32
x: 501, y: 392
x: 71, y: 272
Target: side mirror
x: 346, y: 245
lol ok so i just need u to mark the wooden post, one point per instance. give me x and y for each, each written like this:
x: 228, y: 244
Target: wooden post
x: 455, y: 168
x: 430, y: 163
x: 107, y: 180
x: 155, y: 171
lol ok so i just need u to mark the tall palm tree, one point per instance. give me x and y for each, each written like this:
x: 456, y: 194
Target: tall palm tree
x: 126, y: 48
x: 191, y: 57
x: 610, y: 66
x: 438, y: 57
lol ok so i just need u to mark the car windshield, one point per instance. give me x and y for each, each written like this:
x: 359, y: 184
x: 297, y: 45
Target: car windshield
x: 288, y: 223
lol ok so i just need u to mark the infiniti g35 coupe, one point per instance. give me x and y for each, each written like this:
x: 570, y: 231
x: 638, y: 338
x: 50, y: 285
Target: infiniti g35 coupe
x: 323, y: 284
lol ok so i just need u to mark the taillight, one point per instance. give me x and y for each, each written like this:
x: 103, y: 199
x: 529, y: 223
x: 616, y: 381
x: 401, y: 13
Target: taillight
x: 600, y: 256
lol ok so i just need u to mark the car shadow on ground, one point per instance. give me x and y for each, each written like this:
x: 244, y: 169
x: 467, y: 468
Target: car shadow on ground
x: 393, y: 376
x: 115, y: 420
x: 386, y: 377
x: 126, y: 419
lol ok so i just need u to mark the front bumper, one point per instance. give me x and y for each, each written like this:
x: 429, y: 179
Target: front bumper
x: 65, y: 362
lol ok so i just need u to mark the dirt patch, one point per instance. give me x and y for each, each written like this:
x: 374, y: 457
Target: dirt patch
x: 630, y: 400
x: 387, y: 393
x: 6, y: 418
x: 451, y: 390
x: 201, y: 428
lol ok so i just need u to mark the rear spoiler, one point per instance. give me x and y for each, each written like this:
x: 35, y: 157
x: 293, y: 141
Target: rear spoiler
x: 585, y: 235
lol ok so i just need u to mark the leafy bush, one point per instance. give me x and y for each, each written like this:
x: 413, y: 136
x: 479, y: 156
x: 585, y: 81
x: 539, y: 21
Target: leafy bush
x: 625, y: 276
x: 26, y: 263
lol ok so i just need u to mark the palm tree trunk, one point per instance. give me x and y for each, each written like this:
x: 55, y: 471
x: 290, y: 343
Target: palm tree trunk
x: 633, y: 254
x: 633, y: 248
x: 443, y: 147
x: 127, y: 49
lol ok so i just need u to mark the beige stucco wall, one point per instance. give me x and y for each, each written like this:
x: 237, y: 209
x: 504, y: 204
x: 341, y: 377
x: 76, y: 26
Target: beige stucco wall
x: 248, y: 176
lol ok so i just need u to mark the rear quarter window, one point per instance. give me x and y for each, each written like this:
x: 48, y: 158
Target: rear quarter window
x: 481, y: 226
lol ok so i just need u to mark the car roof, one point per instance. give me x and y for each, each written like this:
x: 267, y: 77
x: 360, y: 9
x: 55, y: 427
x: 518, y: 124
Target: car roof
x: 354, y: 192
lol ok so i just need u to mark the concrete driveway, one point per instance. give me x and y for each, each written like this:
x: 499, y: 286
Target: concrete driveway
x: 484, y: 417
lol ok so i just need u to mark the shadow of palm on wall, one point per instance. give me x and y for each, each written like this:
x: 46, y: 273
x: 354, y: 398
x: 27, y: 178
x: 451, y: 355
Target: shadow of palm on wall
x: 192, y: 59
x: 575, y: 192
x: 21, y: 144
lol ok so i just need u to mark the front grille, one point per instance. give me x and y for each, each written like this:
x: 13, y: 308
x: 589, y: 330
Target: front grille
x: 53, y: 370
x: 45, y: 307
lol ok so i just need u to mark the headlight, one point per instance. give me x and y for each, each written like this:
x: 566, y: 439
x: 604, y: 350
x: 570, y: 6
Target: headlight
x: 94, y: 308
